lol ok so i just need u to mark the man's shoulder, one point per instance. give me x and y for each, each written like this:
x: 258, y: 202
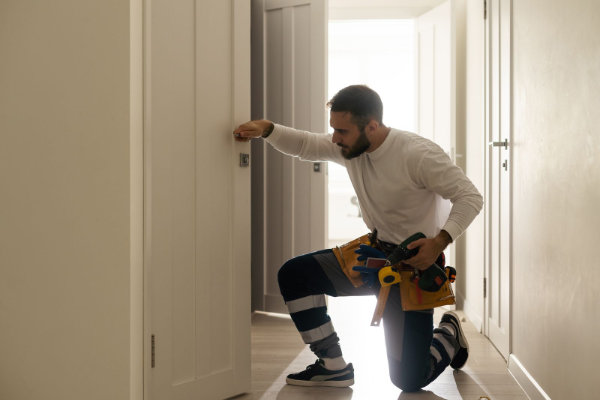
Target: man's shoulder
x: 411, y: 141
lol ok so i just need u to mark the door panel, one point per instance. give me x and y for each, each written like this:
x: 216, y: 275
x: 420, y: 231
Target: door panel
x: 499, y: 169
x: 293, y: 66
x: 436, y: 70
x: 436, y: 92
x: 197, y: 199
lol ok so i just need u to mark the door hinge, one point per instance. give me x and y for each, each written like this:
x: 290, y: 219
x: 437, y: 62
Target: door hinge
x: 484, y: 288
x: 484, y: 9
x: 153, y: 351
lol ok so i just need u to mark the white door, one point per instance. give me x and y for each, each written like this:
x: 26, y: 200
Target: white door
x: 436, y: 88
x: 290, y: 46
x: 436, y: 76
x: 498, y: 173
x: 197, y: 195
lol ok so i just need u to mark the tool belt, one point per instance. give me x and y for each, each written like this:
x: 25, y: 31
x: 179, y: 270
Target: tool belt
x: 413, y: 297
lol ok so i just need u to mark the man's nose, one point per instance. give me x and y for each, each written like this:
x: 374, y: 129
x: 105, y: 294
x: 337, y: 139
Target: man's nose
x: 336, y: 138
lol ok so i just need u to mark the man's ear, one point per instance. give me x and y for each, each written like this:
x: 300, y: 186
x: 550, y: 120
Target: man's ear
x: 372, y: 126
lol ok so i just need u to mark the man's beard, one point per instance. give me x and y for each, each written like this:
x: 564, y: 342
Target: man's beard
x: 360, y: 146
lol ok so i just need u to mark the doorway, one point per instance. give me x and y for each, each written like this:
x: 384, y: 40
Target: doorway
x: 380, y: 54
x: 407, y: 57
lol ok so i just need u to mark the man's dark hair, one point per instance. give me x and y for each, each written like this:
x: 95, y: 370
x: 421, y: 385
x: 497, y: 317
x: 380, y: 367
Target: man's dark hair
x: 361, y: 101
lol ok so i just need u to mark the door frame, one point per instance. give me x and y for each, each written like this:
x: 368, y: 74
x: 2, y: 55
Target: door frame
x: 280, y: 209
x: 501, y: 11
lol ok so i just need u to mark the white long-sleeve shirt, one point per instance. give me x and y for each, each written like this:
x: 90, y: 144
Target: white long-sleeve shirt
x: 401, y: 186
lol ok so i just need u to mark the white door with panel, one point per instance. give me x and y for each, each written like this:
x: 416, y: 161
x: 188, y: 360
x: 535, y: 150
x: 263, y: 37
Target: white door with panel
x: 289, y: 49
x: 197, y: 196
x: 498, y: 174
x: 436, y: 84
x: 436, y: 69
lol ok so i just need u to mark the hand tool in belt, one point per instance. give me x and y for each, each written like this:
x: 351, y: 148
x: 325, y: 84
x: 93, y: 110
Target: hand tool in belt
x: 400, y: 253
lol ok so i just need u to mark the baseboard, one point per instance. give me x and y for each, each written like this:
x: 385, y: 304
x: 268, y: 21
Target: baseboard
x: 529, y: 385
x: 275, y: 304
x: 472, y: 315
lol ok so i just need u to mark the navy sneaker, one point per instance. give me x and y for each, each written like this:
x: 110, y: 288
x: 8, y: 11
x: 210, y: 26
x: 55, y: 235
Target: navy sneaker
x: 317, y: 375
x: 460, y: 358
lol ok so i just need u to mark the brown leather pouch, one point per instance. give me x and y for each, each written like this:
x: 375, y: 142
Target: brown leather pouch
x: 347, y: 258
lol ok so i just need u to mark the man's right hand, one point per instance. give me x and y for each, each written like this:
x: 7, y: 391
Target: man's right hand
x: 252, y: 129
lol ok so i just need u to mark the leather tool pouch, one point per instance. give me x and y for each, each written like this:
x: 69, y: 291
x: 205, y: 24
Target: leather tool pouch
x: 413, y: 297
x: 347, y: 258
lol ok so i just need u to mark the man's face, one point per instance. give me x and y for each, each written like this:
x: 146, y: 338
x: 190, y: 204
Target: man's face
x: 346, y: 134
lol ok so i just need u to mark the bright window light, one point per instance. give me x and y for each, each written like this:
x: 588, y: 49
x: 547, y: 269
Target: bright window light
x: 380, y: 54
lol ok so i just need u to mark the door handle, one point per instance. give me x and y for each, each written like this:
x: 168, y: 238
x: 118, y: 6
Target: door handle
x: 500, y: 144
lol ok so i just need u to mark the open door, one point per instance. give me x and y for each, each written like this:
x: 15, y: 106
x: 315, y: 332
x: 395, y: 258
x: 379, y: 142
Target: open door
x: 498, y: 174
x: 289, y: 212
x: 197, y: 199
x: 436, y: 84
x: 436, y: 71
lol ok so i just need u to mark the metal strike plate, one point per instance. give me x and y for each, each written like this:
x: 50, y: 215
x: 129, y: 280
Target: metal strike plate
x: 500, y: 144
x: 317, y: 167
x: 244, y: 159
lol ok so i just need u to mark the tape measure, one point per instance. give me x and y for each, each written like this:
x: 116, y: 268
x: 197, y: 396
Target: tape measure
x: 388, y: 276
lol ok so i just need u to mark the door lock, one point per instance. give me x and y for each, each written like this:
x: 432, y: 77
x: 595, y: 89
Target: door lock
x: 505, y: 165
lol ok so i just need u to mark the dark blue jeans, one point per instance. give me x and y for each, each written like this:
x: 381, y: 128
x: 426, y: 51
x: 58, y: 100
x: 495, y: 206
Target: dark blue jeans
x: 409, y: 335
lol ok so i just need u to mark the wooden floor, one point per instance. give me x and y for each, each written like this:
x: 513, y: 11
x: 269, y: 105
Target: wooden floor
x: 278, y: 350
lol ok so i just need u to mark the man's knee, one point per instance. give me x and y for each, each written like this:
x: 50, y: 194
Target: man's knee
x: 290, y: 273
x: 406, y: 378
x: 303, y: 276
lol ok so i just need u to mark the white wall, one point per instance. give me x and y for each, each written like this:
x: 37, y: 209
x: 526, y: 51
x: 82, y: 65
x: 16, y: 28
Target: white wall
x: 556, y: 193
x: 556, y: 81
x: 66, y: 250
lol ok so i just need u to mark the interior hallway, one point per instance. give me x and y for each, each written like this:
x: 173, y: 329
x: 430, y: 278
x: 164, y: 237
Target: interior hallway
x: 278, y: 350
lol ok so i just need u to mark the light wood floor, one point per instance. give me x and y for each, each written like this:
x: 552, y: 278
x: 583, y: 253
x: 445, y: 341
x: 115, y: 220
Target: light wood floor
x: 277, y: 350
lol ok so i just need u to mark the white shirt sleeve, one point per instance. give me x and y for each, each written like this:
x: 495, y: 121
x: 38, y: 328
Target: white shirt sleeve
x: 305, y: 145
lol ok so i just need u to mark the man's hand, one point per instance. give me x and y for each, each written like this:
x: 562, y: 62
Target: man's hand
x: 252, y: 129
x: 429, y: 250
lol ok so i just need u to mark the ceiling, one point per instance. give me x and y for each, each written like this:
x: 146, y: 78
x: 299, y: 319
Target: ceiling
x: 375, y: 9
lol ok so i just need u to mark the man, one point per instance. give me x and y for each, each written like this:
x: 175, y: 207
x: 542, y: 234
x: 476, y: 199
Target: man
x: 400, y: 179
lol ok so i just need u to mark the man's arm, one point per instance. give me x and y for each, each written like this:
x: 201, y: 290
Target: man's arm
x: 305, y: 145
x: 440, y: 175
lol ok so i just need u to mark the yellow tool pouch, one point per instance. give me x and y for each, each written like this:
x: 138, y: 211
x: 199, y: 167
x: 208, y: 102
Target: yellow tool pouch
x: 347, y: 258
x: 413, y: 297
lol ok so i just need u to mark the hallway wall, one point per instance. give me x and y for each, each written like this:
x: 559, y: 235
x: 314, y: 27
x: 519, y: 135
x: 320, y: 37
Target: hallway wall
x: 556, y: 193
x: 65, y: 233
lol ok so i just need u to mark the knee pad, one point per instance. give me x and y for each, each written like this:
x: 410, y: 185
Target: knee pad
x: 303, y: 276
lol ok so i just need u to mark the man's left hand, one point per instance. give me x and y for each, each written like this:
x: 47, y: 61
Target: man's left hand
x: 429, y: 250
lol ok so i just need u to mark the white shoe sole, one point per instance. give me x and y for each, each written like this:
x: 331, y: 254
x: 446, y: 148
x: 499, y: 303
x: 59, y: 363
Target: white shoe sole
x: 344, y: 383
